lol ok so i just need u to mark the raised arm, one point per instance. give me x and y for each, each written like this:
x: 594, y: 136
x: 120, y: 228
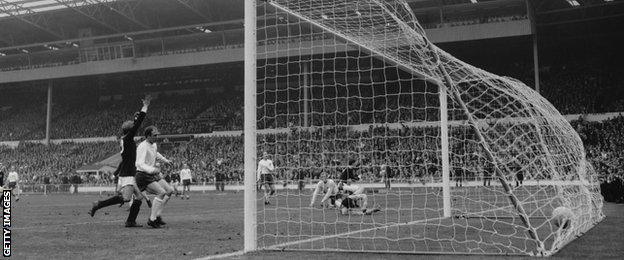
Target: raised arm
x: 139, y: 117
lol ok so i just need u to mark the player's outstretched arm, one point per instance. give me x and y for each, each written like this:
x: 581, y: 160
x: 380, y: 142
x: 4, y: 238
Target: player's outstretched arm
x: 315, y: 193
x: 162, y: 158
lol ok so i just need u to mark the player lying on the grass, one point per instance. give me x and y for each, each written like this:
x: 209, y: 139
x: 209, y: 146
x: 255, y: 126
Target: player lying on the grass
x: 329, y: 189
x: 348, y: 203
x: 125, y: 173
x: 265, y: 177
x: 148, y: 175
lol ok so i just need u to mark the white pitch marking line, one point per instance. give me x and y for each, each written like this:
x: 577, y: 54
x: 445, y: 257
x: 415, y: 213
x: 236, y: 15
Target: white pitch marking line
x: 237, y: 253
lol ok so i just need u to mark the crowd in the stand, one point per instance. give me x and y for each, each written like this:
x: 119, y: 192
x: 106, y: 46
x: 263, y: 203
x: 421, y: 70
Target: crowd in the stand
x: 581, y: 90
x: 604, y: 144
x: 463, y: 21
x: 57, y: 163
x: 175, y: 114
x: 411, y: 152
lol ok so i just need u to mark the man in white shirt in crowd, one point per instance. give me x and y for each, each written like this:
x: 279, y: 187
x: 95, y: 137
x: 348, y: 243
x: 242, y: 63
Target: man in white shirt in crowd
x: 265, y: 176
x: 148, y: 175
x: 12, y: 179
x: 187, y: 178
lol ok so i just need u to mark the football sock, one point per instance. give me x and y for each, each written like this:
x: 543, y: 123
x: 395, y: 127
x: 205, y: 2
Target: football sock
x: 162, y: 205
x: 134, y: 211
x: 118, y: 199
x: 156, y: 207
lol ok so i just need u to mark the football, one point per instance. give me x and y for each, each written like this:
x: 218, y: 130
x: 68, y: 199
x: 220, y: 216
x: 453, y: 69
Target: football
x: 562, y: 217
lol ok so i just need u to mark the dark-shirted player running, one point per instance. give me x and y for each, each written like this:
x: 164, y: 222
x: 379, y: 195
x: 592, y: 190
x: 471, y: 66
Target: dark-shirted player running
x: 126, y: 184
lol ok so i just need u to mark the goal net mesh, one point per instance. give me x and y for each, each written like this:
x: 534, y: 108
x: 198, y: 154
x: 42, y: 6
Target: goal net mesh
x: 357, y: 80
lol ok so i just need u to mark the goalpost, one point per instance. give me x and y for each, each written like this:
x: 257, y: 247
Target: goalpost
x: 328, y: 82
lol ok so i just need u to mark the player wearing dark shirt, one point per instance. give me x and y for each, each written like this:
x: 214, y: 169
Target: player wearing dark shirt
x: 350, y: 172
x: 126, y: 183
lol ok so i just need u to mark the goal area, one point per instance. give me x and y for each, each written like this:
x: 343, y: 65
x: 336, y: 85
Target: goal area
x: 334, y: 84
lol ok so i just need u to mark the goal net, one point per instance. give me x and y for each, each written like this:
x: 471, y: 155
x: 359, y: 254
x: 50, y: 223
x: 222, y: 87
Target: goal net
x: 357, y: 84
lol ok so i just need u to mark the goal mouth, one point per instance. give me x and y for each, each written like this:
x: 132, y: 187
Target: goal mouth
x: 353, y: 90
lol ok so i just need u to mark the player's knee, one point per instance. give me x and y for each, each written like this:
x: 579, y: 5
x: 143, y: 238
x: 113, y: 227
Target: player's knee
x: 126, y: 198
x: 161, y: 193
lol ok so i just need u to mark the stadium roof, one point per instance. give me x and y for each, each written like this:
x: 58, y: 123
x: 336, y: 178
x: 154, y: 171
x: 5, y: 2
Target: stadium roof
x: 59, y: 24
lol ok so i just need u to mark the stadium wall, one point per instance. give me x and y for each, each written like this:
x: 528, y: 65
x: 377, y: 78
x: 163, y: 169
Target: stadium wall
x: 480, y: 31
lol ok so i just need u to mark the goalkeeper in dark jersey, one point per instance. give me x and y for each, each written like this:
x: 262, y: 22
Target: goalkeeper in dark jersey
x: 349, y: 174
x: 126, y: 183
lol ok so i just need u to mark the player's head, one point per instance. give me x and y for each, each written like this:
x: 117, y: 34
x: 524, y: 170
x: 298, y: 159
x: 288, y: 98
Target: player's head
x: 265, y: 156
x: 185, y: 166
x: 351, y: 161
x: 126, y: 126
x: 324, y: 176
x: 151, y: 132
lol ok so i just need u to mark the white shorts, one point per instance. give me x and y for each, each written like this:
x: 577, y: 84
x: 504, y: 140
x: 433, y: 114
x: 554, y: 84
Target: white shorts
x: 125, y: 181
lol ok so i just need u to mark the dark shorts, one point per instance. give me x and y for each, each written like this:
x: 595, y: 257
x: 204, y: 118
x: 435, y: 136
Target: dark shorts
x: 143, y: 179
x: 332, y: 199
x: 267, y: 179
x: 520, y: 176
x: 349, y: 203
x: 12, y: 185
x: 186, y: 182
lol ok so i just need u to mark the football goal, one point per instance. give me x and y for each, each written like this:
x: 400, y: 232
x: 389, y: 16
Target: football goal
x: 453, y: 159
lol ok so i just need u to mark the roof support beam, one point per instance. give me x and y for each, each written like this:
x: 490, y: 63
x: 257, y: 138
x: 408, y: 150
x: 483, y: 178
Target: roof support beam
x: 92, y: 11
x: 125, y: 9
x: 193, y: 8
x: 25, y: 14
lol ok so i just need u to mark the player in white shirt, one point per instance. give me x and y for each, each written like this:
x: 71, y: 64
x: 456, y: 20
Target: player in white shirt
x: 13, y: 180
x: 346, y: 203
x: 328, y: 187
x: 187, y: 178
x: 265, y: 177
x: 148, y: 175
x: 350, y: 196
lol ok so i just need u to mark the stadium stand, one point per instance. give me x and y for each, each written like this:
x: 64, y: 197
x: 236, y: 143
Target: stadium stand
x: 56, y: 163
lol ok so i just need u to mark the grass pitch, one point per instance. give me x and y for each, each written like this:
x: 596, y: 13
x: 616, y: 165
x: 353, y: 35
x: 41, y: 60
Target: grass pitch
x: 58, y: 227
